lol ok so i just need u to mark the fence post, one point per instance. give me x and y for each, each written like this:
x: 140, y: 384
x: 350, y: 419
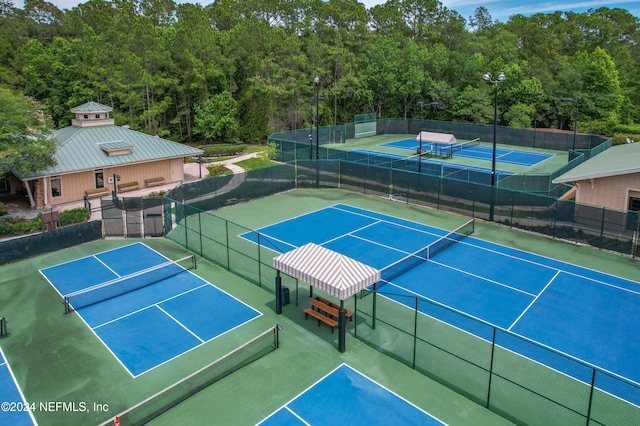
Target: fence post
x: 636, y: 236
x: 200, y: 231
x: 602, y: 227
x: 415, y: 332
x: 593, y: 383
x: 493, y: 348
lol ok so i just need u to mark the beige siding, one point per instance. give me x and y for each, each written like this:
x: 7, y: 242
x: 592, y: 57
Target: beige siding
x: 74, y: 185
x: 612, y: 192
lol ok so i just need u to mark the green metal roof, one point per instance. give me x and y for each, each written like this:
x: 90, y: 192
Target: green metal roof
x: 91, y: 107
x: 80, y: 149
x: 615, y: 161
x: 108, y: 146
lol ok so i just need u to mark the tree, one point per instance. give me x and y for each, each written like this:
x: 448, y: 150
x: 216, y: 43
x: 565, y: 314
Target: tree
x: 26, y: 142
x: 217, y: 119
x: 481, y: 19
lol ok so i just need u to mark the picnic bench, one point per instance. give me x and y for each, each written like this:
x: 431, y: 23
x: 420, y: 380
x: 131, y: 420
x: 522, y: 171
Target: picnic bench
x: 96, y: 192
x: 128, y: 186
x: 156, y: 181
x: 319, y: 315
x: 347, y: 313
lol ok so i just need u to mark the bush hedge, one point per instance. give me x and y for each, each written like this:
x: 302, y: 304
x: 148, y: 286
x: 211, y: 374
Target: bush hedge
x: 18, y: 226
x: 223, y: 150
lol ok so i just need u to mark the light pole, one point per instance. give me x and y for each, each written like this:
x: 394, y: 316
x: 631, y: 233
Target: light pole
x: 443, y: 101
x: 421, y: 105
x: 434, y: 105
x: 575, y: 119
x: 347, y: 93
x: 488, y: 77
x: 536, y: 96
x: 311, y: 128
x: 316, y: 82
x: 200, y: 166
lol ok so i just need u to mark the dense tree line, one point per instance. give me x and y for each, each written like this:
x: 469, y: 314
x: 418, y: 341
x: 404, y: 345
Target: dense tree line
x: 237, y: 70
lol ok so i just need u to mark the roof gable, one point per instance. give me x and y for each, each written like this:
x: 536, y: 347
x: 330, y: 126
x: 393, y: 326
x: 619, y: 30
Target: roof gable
x: 615, y: 161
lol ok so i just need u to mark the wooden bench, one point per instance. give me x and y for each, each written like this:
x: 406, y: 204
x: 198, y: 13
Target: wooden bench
x: 347, y: 313
x: 128, y: 186
x: 96, y: 192
x: 157, y: 181
x: 322, y: 317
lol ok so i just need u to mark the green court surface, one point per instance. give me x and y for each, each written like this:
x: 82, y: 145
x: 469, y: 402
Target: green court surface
x: 374, y: 143
x: 55, y: 357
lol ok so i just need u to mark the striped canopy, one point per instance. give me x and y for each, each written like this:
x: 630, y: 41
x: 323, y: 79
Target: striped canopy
x: 331, y: 272
x: 437, y: 138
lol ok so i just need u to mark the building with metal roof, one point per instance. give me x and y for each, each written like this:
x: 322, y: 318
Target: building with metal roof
x: 95, y: 157
x: 610, y: 179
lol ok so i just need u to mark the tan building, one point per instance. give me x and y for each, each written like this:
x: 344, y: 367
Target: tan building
x: 610, y: 179
x: 95, y: 157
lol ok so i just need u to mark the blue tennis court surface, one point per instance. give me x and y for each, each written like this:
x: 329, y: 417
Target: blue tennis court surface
x: 479, y: 152
x: 149, y: 326
x: 348, y: 397
x: 445, y: 169
x: 15, y: 408
x: 586, y: 314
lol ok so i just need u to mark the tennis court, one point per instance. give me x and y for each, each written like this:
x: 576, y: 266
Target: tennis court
x: 445, y: 169
x: 353, y: 398
x: 15, y: 408
x: 474, y: 150
x: 553, y: 303
x: 146, y: 309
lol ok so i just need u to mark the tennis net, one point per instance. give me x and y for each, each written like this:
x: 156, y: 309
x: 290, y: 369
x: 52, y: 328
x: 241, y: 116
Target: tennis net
x: 465, y: 145
x: 127, y: 283
x: 415, y: 259
x: 143, y: 412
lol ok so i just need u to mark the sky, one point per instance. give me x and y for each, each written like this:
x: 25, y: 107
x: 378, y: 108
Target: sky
x: 498, y: 9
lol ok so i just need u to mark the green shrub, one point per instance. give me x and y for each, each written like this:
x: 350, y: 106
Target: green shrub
x: 223, y: 150
x: 17, y: 226
x: 3, y: 211
x: 78, y: 215
x: 621, y: 138
x: 217, y: 170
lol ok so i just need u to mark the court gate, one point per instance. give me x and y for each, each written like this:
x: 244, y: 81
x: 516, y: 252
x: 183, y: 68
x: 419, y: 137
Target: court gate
x: 132, y: 217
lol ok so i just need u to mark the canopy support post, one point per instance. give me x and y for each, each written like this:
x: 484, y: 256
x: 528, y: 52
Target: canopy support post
x: 375, y: 293
x: 342, y: 325
x: 278, y: 293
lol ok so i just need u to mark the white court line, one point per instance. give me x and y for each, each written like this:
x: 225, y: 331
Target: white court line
x: 15, y: 382
x: 535, y: 299
x: 482, y: 278
x: 179, y: 323
x: 148, y: 306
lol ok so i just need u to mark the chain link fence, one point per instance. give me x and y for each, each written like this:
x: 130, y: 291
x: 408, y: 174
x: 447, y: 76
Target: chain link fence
x: 491, y: 366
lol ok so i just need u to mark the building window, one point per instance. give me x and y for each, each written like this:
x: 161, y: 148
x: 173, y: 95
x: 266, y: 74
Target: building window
x: 56, y: 188
x: 634, y: 204
x: 86, y: 116
x: 97, y: 115
x: 99, y: 179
